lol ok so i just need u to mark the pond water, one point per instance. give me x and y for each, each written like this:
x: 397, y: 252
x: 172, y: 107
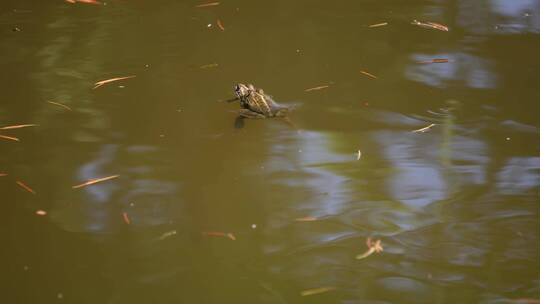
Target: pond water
x: 274, y: 212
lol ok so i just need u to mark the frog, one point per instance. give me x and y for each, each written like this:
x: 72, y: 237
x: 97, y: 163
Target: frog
x: 256, y: 104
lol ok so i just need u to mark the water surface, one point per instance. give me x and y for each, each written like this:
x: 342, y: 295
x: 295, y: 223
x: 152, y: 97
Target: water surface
x: 456, y: 207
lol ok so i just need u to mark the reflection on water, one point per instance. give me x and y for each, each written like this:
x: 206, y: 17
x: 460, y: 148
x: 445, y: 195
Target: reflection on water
x: 456, y: 207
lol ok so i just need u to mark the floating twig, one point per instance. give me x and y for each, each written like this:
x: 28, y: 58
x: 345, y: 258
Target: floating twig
x: 207, y: 4
x: 9, y: 138
x: 25, y: 187
x: 358, y: 155
x: 95, y: 181
x: 378, y: 24
x: 424, y: 129
x: 221, y: 234
x: 368, y: 74
x: 60, y: 105
x: 102, y: 82
x: 316, y: 88
x: 17, y: 126
x: 431, y: 25
x: 41, y: 212
x: 374, y: 246
x: 314, y: 291
x: 3, y: 174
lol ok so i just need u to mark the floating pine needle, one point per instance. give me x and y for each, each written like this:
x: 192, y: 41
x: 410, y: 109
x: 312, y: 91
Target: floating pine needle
x: 314, y: 291
x: 41, y: 212
x: 368, y: 74
x: 9, y: 138
x: 25, y: 187
x: 378, y: 24
x: 126, y: 218
x: 374, y: 246
x: 208, y: 4
x: 84, y: 1
x: 424, y: 129
x: 60, y: 105
x: 221, y: 234
x: 102, y: 82
x: 167, y: 234
x: 207, y: 66
x: 358, y: 155
x: 436, y: 60
x: 95, y: 181
x: 431, y: 25
x: 306, y: 219
x: 316, y: 88
x: 17, y: 126
x: 220, y: 25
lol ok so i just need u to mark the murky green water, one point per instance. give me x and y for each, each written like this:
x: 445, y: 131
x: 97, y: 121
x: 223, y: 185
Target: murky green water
x: 456, y: 207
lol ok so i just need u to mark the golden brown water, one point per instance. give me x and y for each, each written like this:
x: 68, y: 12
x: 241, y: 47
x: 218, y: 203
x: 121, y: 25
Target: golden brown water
x: 205, y: 213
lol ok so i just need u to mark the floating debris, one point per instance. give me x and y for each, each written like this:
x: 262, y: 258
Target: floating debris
x: 60, y: 105
x: 85, y: 1
x: 9, y: 138
x: 316, y: 88
x: 207, y: 4
x: 378, y: 24
x: 436, y: 60
x: 358, y: 155
x: 374, y: 246
x: 424, y: 129
x: 94, y: 181
x: 41, y: 212
x: 25, y: 187
x: 207, y: 66
x: 314, y: 291
x: 126, y: 218
x: 221, y: 234
x: 167, y: 234
x: 3, y: 174
x: 431, y: 25
x: 18, y: 126
x: 102, y: 82
x: 306, y: 219
x: 368, y: 74
x: 220, y: 25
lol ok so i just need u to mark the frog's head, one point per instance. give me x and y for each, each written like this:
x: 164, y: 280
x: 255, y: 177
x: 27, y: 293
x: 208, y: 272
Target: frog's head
x: 242, y: 90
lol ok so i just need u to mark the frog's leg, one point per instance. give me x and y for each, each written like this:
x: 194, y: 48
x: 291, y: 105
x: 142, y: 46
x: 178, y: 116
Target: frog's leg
x: 250, y: 114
